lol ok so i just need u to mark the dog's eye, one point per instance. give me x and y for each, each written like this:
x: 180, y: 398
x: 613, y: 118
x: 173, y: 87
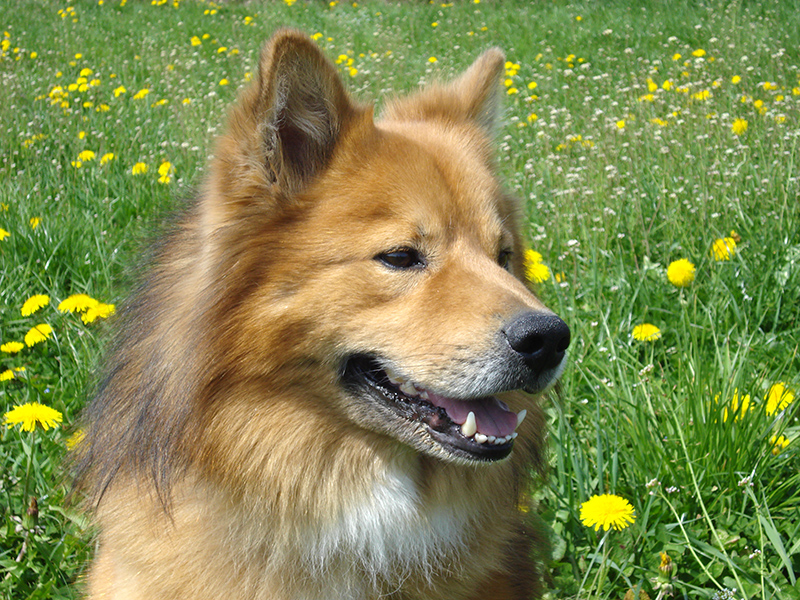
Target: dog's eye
x: 404, y: 258
x: 504, y: 259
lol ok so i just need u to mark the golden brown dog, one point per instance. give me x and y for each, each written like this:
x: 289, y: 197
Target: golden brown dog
x: 317, y: 392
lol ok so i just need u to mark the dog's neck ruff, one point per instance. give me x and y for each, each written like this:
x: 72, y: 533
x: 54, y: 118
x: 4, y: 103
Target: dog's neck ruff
x: 392, y: 533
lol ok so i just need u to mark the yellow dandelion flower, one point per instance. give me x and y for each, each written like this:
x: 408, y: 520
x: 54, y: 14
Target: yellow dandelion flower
x: 141, y: 94
x: 739, y: 126
x: 195, y: 41
x: 165, y: 172
x: 34, y: 303
x: 98, y: 311
x: 75, y: 439
x: 531, y: 256
x: 3, y: 234
x: 119, y: 91
x: 535, y: 270
x: 778, y: 398
x: 646, y: 332
x: 734, y: 405
x: 7, y: 375
x: 699, y: 53
x: 533, y: 117
x: 702, y: 95
x: 224, y: 81
x: 778, y: 444
x: 139, y: 169
x: 606, y: 511
x: 667, y: 85
x: 86, y: 156
x: 735, y: 79
x: 432, y: 59
x: 77, y: 303
x: 533, y: 85
x: 107, y: 158
x: 12, y: 347
x: 680, y: 272
x: 34, y: 222
x: 723, y: 249
x: 31, y: 414
x: 38, y: 333
x: 621, y: 124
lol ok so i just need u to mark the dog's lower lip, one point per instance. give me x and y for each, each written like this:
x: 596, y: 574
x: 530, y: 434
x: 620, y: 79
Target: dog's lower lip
x: 365, y: 375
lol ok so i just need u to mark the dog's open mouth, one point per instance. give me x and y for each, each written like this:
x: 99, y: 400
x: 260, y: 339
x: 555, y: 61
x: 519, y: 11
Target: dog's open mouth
x: 477, y: 429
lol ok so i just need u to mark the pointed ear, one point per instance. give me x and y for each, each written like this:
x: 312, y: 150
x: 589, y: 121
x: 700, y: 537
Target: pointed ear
x: 304, y: 109
x: 472, y: 97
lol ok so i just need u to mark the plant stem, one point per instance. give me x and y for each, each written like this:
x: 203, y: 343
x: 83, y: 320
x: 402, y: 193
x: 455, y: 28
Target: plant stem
x: 26, y: 483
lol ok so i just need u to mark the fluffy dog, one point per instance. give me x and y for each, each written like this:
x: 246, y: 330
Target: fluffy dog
x: 325, y: 386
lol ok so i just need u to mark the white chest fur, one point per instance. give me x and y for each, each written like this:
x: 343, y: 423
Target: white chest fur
x: 392, y: 531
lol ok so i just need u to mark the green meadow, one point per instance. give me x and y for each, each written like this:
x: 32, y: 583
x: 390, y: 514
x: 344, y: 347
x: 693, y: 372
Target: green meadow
x: 655, y: 146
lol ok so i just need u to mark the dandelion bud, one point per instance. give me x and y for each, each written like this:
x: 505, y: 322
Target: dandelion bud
x: 31, y: 517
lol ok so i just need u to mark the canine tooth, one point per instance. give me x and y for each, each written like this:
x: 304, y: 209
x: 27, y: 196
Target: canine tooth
x: 392, y: 376
x: 470, y: 427
x: 521, y: 416
x: 408, y: 388
x: 480, y: 438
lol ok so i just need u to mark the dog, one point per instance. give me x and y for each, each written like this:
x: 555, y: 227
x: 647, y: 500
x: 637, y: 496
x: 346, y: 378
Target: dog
x: 325, y: 386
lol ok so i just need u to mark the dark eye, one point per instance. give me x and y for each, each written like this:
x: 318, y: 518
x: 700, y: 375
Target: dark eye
x: 504, y: 258
x: 404, y: 258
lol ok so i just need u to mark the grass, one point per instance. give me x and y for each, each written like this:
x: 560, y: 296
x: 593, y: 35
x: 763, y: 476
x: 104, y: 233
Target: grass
x: 625, y: 153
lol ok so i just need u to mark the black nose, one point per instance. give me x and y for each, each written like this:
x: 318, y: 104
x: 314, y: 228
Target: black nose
x: 541, y: 339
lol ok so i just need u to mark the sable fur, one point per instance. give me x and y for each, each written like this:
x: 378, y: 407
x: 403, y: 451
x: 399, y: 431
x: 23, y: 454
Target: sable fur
x: 223, y: 457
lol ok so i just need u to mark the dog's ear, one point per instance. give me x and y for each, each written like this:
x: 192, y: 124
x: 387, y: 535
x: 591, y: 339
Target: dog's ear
x: 472, y: 97
x: 303, y: 108
x: 286, y: 125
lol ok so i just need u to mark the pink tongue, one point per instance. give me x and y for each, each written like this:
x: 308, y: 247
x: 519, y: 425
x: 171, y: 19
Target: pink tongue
x: 491, y: 415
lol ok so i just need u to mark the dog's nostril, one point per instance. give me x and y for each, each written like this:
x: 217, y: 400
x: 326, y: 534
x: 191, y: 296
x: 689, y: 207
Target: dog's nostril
x: 528, y: 345
x: 540, y: 339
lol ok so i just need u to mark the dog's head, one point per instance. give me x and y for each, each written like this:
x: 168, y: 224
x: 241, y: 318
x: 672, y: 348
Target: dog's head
x: 387, y: 255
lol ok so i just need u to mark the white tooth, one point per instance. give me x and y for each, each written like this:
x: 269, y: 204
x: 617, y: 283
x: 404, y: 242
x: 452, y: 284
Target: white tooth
x: 514, y: 435
x: 424, y: 395
x: 480, y: 438
x: 521, y: 416
x: 470, y: 427
x: 408, y: 388
x: 490, y: 439
x: 392, y: 376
